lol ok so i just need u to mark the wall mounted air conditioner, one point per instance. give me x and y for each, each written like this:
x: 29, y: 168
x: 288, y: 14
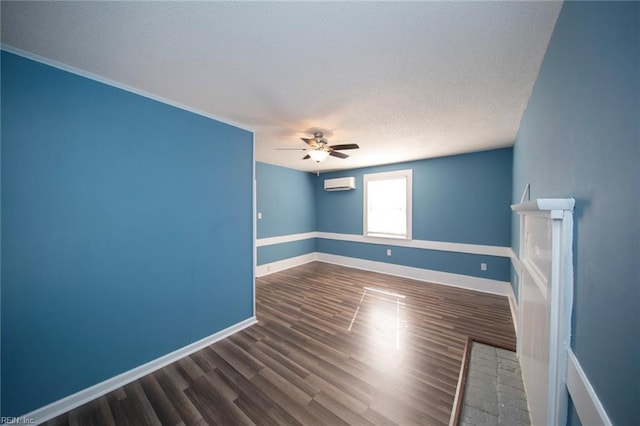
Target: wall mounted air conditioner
x: 340, y: 184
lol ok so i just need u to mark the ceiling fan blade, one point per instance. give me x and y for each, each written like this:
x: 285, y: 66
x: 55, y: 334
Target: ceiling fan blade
x: 344, y: 146
x: 308, y: 141
x: 306, y: 157
x: 291, y: 149
x: 338, y: 154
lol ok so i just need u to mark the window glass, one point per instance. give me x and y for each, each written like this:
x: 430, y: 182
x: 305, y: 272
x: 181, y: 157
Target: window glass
x: 387, y: 209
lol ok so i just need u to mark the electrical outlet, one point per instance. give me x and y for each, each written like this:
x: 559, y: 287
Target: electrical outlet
x: 388, y: 252
x: 483, y: 266
x: 259, y: 215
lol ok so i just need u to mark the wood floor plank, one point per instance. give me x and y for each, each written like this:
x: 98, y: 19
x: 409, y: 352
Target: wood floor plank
x: 332, y: 346
x: 290, y: 388
x: 325, y: 415
x: 137, y: 405
x: 248, y: 393
x: 352, y: 402
x: 114, y: 400
x: 165, y: 410
x: 340, y: 410
x: 296, y: 409
x: 214, y: 404
x: 183, y: 406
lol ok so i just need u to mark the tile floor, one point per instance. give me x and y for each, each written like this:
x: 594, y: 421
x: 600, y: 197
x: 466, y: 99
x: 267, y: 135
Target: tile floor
x: 494, y: 393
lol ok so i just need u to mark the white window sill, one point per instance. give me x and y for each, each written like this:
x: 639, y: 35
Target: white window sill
x: 387, y: 236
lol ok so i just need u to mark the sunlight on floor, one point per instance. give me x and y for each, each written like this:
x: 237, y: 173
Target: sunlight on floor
x: 383, y: 320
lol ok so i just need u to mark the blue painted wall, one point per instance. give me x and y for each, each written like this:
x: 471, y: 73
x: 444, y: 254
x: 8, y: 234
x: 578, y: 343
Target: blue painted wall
x: 286, y: 199
x: 281, y: 251
x: 435, y: 260
x: 127, y: 229
x: 580, y: 137
x: 459, y: 199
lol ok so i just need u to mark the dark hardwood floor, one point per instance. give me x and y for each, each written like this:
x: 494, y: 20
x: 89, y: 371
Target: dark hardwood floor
x: 333, y: 345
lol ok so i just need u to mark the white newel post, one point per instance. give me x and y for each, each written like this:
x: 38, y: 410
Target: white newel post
x: 545, y: 299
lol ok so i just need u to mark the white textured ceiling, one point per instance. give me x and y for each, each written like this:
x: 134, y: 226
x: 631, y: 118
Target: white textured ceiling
x: 403, y: 80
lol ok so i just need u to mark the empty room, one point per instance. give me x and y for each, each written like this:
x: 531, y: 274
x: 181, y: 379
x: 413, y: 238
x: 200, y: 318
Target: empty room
x: 320, y: 213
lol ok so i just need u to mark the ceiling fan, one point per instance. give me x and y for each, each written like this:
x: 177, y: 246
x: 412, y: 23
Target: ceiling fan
x: 319, y: 148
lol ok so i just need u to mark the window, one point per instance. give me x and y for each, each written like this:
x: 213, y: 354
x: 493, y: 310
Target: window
x: 387, y: 204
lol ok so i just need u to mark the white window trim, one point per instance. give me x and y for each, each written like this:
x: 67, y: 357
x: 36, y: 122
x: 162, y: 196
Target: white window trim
x: 408, y: 174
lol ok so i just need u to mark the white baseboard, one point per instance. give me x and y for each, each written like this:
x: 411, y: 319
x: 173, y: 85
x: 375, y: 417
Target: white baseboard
x: 502, y: 288
x: 281, y: 265
x: 485, y: 285
x: 588, y: 406
x: 77, y: 399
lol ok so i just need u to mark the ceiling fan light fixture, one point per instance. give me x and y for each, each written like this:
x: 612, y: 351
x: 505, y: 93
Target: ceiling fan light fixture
x: 318, y: 155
